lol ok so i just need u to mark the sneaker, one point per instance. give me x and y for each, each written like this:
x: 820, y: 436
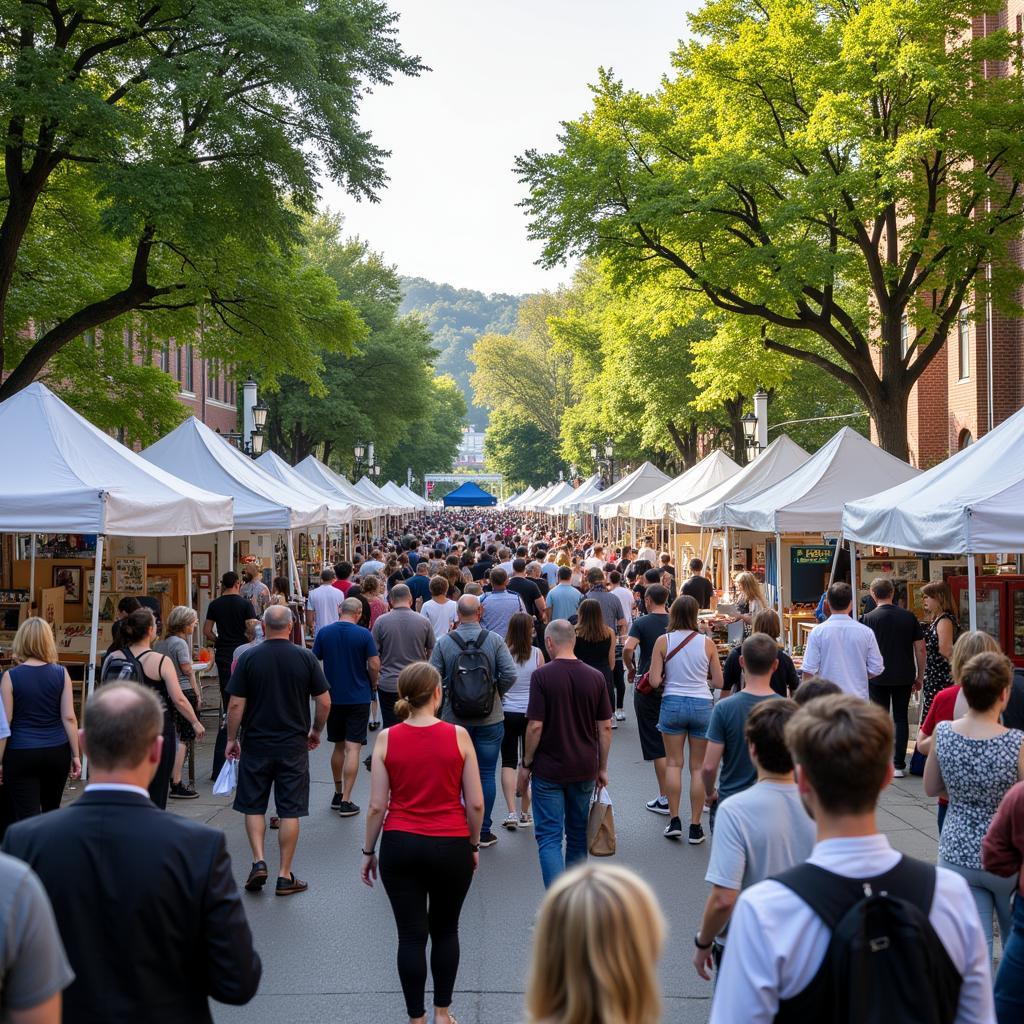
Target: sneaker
x: 179, y: 791
x: 335, y: 801
x: 289, y: 886
x: 374, y: 726
x: 257, y: 876
x: 487, y: 839
x: 511, y: 822
x: 525, y: 821
x: 898, y: 773
x: 275, y: 821
x: 347, y: 809
x: 615, y: 723
x: 696, y: 836
x: 659, y: 805
x: 368, y: 762
x: 674, y: 829
x: 620, y: 716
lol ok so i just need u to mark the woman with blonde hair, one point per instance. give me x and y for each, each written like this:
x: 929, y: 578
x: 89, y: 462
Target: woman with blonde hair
x: 751, y: 599
x: 370, y: 587
x: 426, y: 778
x: 177, y: 645
x: 939, y: 637
x: 596, y: 947
x: 42, y: 749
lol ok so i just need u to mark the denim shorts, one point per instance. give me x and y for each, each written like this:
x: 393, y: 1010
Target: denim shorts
x: 685, y: 715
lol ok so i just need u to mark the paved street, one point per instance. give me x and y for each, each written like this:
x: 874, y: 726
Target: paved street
x: 328, y: 955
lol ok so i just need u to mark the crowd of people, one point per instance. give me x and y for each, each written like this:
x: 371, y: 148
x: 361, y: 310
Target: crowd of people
x: 495, y: 658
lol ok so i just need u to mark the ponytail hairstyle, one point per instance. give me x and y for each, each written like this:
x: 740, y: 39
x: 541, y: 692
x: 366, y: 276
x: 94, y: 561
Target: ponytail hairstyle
x: 417, y: 684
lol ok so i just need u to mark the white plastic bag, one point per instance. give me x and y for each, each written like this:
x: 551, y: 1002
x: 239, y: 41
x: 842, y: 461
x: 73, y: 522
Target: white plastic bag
x: 227, y: 779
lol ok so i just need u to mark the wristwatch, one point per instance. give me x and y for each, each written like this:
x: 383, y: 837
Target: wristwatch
x: 699, y: 944
x: 475, y: 847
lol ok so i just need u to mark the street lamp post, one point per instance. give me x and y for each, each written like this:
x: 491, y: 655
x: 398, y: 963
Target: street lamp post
x: 254, y: 419
x: 604, y: 458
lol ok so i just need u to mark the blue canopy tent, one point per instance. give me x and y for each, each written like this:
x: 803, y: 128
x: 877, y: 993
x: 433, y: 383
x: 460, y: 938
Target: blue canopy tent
x: 469, y: 494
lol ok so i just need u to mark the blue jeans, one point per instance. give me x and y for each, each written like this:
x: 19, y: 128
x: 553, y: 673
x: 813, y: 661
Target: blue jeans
x: 487, y: 744
x: 1010, y: 979
x: 560, y: 811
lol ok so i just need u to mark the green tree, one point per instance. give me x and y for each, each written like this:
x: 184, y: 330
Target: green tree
x: 183, y: 141
x: 801, y: 157
x: 522, y: 451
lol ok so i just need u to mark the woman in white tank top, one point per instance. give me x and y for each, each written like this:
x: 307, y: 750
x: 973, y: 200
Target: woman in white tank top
x: 684, y: 664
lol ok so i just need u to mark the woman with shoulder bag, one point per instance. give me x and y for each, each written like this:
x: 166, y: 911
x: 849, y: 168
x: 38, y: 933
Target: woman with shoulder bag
x: 683, y: 662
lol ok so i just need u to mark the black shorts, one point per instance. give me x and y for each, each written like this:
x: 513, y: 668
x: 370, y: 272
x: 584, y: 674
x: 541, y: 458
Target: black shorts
x: 348, y: 723
x: 182, y: 726
x: 289, y: 775
x: 514, y: 739
x: 647, y: 707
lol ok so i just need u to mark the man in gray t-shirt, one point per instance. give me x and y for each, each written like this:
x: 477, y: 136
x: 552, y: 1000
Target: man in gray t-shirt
x: 402, y: 636
x: 760, y: 832
x: 33, y: 968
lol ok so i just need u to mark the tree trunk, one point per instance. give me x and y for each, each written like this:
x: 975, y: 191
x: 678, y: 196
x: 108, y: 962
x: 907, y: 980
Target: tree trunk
x: 734, y: 410
x: 685, y: 442
x: 889, y: 413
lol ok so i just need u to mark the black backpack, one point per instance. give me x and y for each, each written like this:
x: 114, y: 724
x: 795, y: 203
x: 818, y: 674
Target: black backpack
x: 122, y: 666
x: 884, y: 962
x: 471, y: 688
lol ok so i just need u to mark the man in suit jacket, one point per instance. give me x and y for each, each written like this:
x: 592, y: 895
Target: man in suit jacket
x: 146, y: 903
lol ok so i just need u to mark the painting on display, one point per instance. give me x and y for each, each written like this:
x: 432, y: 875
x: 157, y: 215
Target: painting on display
x: 130, y: 574
x: 70, y: 578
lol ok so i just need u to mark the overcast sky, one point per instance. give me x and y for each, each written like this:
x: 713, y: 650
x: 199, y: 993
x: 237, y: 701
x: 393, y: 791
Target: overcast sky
x: 504, y: 74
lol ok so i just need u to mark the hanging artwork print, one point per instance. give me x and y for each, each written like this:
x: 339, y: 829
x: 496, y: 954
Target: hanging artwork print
x: 130, y: 574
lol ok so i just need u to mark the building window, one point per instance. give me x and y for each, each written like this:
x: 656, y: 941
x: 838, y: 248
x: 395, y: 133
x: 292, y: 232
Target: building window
x: 211, y: 378
x: 965, y: 440
x: 904, y: 336
x: 165, y: 357
x: 188, y: 381
x: 964, y: 343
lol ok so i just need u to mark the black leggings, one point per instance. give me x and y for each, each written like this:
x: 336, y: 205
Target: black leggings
x: 426, y: 879
x: 34, y: 777
x: 617, y: 691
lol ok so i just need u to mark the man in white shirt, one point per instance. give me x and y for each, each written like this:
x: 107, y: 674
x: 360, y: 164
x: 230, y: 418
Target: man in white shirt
x: 323, y: 604
x: 647, y: 552
x: 842, y: 649
x: 758, y: 832
x: 842, y: 748
x: 596, y: 558
x: 440, y: 610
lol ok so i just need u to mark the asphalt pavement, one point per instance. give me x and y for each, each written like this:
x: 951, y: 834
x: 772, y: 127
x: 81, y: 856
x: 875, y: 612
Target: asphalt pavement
x: 329, y: 954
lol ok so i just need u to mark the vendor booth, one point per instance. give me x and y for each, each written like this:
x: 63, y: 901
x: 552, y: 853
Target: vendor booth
x: 468, y: 495
x: 612, y: 502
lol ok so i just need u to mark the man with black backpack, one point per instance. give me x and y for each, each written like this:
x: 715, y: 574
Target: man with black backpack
x: 858, y: 933
x: 476, y: 671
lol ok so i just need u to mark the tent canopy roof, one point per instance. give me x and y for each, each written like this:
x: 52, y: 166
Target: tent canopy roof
x: 778, y: 460
x: 323, y: 478
x: 711, y: 470
x: 590, y: 486
x: 644, y: 479
x: 338, y: 512
x: 64, y: 475
x: 969, y: 504
x: 811, y: 498
x: 468, y: 494
x: 262, y: 502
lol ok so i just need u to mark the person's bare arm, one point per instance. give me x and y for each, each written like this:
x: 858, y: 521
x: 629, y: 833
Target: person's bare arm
x: 236, y: 708
x: 717, y: 912
x: 657, y: 672
x: 380, y: 787
x: 46, y: 1012
x: 714, y: 665
x: 921, y: 657
x: 627, y: 657
x: 373, y: 669
x: 472, y: 789
x: 178, y: 698
x: 933, y: 783
x: 604, y: 741
x: 208, y: 631
x: 70, y: 721
x: 945, y: 633
x: 709, y: 770
x: 321, y: 709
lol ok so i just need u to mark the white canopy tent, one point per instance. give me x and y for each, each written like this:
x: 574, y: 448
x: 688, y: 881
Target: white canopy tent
x: 614, y: 501
x: 417, y: 500
x: 525, y: 496
x: 64, y: 475
x: 590, y: 486
x: 970, y: 504
x: 554, y: 495
x: 338, y: 512
x: 712, y: 470
x: 811, y: 498
x: 372, y: 492
x: 778, y: 460
x: 392, y: 491
x: 537, y: 501
x: 323, y: 478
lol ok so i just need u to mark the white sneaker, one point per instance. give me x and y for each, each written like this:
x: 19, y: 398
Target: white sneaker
x: 620, y: 716
x: 659, y: 805
x: 899, y: 773
x: 526, y: 821
x: 511, y: 822
x: 615, y: 724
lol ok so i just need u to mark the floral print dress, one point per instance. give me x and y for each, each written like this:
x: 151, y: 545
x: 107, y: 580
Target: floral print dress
x: 937, y: 674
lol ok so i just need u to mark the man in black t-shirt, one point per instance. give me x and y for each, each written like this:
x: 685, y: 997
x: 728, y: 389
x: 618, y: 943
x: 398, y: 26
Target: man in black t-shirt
x: 698, y: 586
x: 643, y: 635
x: 231, y: 614
x: 270, y: 691
x: 900, y: 639
x: 528, y: 591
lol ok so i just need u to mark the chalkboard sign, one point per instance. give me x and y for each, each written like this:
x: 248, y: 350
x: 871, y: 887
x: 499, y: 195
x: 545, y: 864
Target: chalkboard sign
x: 809, y: 568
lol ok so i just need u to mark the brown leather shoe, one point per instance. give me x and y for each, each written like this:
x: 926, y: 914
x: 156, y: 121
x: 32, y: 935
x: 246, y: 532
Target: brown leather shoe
x: 290, y: 886
x: 257, y: 876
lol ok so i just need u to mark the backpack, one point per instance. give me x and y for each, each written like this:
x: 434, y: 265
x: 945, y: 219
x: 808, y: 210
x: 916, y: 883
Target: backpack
x: 122, y: 666
x: 471, y: 686
x: 884, y: 962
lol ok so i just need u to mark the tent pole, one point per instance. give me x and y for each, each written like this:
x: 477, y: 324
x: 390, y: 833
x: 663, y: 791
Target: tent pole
x: 293, y: 567
x: 231, y: 551
x: 778, y: 583
x: 835, y: 560
x: 972, y: 592
x: 327, y: 560
x: 855, y: 611
x: 727, y: 573
x: 94, y: 638
x: 32, y: 575
x: 188, y: 571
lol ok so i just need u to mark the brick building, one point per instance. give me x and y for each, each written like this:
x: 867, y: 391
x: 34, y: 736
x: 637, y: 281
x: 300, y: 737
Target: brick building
x: 977, y: 381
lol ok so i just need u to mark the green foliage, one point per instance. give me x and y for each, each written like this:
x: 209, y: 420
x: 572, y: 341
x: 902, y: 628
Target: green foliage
x: 521, y: 450
x: 457, y: 317
x: 822, y: 169
x: 159, y: 160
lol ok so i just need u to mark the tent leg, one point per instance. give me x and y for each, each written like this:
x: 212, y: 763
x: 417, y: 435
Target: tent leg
x: 293, y: 567
x: 972, y: 592
x: 855, y: 611
x: 32, y: 574
x: 231, y: 551
x: 94, y: 634
x: 727, y: 572
x: 188, y: 571
x: 327, y: 560
x: 835, y: 560
x: 778, y: 583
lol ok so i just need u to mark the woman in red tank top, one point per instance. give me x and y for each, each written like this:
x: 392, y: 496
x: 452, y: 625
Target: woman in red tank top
x: 425, y: 777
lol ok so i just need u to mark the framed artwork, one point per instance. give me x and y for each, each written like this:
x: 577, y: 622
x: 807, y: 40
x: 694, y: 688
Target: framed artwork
x: 201, y: 561
x: 106, y: 583
x: 70, y: 578
x: 130, y: 574
x: 204, y: 581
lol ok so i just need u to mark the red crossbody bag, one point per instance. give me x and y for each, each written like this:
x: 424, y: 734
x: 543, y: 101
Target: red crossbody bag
x: 643, y: 683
